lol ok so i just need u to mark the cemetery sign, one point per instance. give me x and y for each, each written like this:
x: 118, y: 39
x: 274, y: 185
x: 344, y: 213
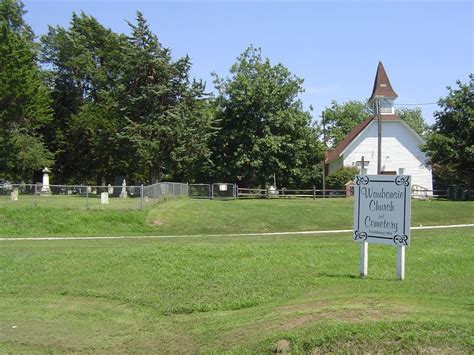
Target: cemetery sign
x: 382, y: 209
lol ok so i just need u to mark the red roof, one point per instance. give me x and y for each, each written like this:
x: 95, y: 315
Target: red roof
x: 382, y: 87
x: 336, y: 152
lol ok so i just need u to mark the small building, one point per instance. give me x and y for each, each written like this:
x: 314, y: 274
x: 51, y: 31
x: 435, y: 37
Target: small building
x: 401, y: 154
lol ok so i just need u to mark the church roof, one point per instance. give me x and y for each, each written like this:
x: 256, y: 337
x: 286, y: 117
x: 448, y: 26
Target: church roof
x: 336, y: 152
x: 382, y: 87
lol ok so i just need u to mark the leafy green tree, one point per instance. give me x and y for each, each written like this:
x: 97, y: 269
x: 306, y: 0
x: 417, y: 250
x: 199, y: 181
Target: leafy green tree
x: 166, y: 121
x: 85, y: 63
x: 263, y: 129
x: 450, y: 145
x: 123, y: 106
x: 30, y: 153
x: 414, y: 118
x: 24, y: 98
x: 340, y: 177
x: 339, y: 119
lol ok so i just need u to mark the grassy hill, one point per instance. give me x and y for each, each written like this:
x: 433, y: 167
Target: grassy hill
x: 184, y: 216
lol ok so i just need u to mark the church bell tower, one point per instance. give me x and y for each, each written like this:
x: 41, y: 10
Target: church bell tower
x: 383, y: 93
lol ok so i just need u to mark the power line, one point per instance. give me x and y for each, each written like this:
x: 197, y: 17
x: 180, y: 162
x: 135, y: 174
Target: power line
x: 420, y: 104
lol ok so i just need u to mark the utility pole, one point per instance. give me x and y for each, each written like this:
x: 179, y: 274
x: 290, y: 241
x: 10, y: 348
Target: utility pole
x: 379, y: 138
x: 324, y: 159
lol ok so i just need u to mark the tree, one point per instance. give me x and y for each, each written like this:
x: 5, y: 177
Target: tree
x: 123, y: 106
x: 166, y: 121
x: 263, y: 129
x: 413, y: 117
x: 85, y: 62
x: 450, y: 145
x: 24, y: 99
x: 339, y: 119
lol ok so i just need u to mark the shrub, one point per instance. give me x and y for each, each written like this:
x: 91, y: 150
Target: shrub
x: 340, y: 177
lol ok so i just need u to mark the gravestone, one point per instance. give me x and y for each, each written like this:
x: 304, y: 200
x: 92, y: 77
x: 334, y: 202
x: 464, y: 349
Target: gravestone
x: 123, y: 193
x: 45, y: 190
x: 104, y: 198
x: 110, y: 189
x: 14, y: 194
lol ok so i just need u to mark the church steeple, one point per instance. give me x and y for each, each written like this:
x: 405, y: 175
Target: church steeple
x: 383, y: 91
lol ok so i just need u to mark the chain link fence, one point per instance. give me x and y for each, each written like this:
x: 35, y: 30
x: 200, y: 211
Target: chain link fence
x: 200, y: 191
x: 89, y: 197
x: 138, y: 197
x: 223, y: 191
x: 219, y: 190
x: 164, y: 190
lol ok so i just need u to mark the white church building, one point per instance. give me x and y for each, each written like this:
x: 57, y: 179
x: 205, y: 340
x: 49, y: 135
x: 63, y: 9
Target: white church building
x: 401, y: 154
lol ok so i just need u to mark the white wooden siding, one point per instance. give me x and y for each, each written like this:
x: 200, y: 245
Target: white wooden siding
x: 400, y: 149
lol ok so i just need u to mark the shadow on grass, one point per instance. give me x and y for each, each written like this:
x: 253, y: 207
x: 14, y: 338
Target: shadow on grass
x: 338, y: 276
x: 352, y: 276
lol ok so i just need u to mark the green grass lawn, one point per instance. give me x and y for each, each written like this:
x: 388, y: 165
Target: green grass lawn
x: 232, y: 294
x: 236, y: 294
x: 76, y: 202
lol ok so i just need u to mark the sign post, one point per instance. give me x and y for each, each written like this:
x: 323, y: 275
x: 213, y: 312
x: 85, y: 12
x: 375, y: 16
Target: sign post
x: 401, y: 263
x: 382, y: 215
x: 364, y: 259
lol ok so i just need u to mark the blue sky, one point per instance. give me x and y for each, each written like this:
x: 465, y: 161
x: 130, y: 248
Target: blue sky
x: 334, y: 46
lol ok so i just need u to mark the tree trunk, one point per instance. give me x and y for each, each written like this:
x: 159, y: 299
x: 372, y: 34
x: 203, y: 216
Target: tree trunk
x: 155, y: 173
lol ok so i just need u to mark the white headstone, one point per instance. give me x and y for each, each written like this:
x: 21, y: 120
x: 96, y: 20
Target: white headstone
x: 104, y: 198
x: 45, y: 190
x: 123, y: 193
x: 110, y: 189
x: 14, y: 194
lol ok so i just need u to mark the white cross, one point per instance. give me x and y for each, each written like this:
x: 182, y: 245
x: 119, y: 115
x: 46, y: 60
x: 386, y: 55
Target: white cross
x: 362, y: 163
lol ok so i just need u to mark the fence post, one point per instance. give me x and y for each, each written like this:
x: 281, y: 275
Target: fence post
x: 141, y: 197
x: 36, y: 192
x: 211, y: 189
x: 236, y: 191
x: 87, y: 197
x: 268, y: 192
x: 314, y: 192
